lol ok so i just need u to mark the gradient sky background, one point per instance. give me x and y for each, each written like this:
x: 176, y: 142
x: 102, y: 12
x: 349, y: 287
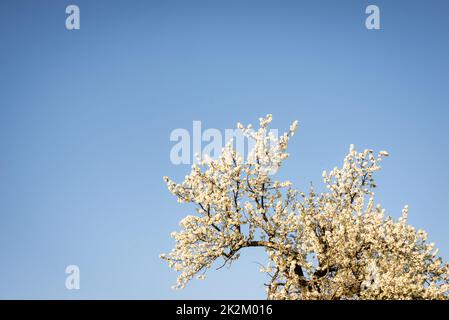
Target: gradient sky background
x: 85, y: 119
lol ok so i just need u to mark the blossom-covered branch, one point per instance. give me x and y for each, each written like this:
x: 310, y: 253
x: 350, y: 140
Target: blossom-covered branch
x: 334, y: 245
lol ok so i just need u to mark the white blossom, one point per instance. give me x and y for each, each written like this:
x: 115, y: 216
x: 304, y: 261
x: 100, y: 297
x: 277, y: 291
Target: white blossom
x: 338, y: 244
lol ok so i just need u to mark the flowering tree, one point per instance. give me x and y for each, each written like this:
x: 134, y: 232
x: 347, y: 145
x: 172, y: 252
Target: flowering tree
x: 334, y: 245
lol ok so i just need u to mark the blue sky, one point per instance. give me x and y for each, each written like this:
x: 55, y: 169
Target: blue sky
x: 85, y: 119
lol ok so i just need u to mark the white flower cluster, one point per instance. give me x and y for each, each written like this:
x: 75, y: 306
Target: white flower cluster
x: 335, y: 245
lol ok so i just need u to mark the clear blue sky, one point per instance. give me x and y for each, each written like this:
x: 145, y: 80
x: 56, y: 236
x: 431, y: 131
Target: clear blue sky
x: 85, y: 118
